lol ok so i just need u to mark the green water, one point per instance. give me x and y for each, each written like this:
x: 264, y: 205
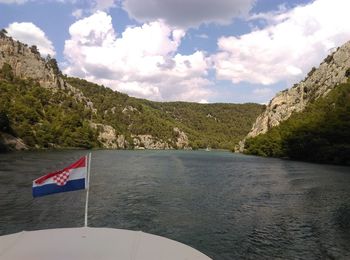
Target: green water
x: 228, y: 206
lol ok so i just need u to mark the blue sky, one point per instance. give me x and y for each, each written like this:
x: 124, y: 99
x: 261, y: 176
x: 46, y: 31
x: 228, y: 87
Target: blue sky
x: 193, y: 50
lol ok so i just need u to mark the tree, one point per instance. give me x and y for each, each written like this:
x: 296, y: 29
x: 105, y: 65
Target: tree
x: 4, y: 123
x: 347, y: 73
x: 3, y: 33
x: 52, y: 63
x: 34, y: 49
x: 320, y: 133
x: 6, y: 72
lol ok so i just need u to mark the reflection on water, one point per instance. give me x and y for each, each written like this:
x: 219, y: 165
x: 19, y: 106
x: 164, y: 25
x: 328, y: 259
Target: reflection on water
x: 226, y: 205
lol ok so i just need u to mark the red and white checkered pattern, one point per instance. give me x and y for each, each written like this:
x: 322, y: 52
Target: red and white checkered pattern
x: 62, y: 178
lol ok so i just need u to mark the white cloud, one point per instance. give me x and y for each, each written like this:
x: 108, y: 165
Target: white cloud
x: 142, y: 61
x: 272, y: 15
x: 187, y: 13
x: 30, y: 34
x: 287, y: 48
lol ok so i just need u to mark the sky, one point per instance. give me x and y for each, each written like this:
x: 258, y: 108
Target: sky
x: 207, y: 51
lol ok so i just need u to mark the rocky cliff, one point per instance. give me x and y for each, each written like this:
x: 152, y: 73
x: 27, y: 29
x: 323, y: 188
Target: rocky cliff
x: 109, y: 138
x: 41, y: 108
x: 333, y: 71
x: 27, y: 63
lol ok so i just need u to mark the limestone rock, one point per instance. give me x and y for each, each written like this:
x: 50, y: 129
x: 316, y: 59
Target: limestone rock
x: 108, y: 137
x: 12, y: 142
x: 121, y: 142
x: 129, y: 109
x: 149, y: 142
x: 331, y: 72
x: 27, y: 63
x: 181, y: 139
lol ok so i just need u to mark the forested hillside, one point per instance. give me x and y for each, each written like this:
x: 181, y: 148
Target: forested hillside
x: 41, y: 117
x: 213, y: 125
x: 85, y: 115
x: 320, y: 133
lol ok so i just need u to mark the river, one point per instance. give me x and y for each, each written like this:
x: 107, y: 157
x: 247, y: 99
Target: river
x: 228, y: 206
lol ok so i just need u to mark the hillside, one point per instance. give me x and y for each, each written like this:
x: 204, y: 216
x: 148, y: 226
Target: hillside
x: 334, y: 70
x: 41, y: 108
x: 310, y: 120
x: 321, y: 133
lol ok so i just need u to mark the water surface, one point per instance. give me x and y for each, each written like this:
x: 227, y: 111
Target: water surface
x: 226, y: 205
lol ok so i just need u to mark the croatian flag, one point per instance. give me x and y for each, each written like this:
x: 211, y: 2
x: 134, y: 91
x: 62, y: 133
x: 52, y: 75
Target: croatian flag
x: 73, y: 177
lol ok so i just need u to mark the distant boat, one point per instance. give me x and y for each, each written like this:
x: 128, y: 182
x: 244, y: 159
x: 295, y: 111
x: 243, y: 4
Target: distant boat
x: 208, y: 149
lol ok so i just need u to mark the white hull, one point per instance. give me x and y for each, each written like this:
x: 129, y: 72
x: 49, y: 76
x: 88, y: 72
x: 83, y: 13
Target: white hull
x: 92, y: 244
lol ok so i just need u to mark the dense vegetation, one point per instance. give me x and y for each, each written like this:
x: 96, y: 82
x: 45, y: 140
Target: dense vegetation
x: 321, y: 133
x: 214, y: 125
x: 42, y: 117
x: 48, y: 118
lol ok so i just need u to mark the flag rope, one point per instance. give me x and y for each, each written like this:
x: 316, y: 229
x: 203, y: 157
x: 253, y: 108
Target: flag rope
x: 87, y: 191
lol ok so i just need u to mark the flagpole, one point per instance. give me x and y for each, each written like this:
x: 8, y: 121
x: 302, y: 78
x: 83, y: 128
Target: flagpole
x: 87, y: 191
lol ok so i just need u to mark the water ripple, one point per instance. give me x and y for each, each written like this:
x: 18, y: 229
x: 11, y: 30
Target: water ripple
x: 228, y: 206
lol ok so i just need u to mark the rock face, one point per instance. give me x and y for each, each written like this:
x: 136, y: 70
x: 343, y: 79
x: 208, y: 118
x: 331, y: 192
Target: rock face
x: 331, y: 72
x: 129, y: 109
x: 149, y: 142
x: 181, y: 139
x: 152, y: 143
x: 12, y: 142
x: 27, y: 63
x: 109, y: 138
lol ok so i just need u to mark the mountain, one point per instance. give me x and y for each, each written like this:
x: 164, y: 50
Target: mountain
x: 41, y: 108
x: 310, y: 121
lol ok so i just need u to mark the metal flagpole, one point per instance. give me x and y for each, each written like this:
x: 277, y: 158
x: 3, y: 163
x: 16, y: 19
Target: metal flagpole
x: 87, y: 190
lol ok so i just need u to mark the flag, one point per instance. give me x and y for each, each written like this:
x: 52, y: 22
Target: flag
x: 73, y: 177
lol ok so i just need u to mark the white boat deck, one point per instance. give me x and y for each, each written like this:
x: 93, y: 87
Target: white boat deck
x: 93, y: 243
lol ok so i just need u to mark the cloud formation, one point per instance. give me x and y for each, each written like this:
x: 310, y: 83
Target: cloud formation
x: 142, y: 61
x: 30, y: 34
x: 187, y: 13
x: 285, y: 50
